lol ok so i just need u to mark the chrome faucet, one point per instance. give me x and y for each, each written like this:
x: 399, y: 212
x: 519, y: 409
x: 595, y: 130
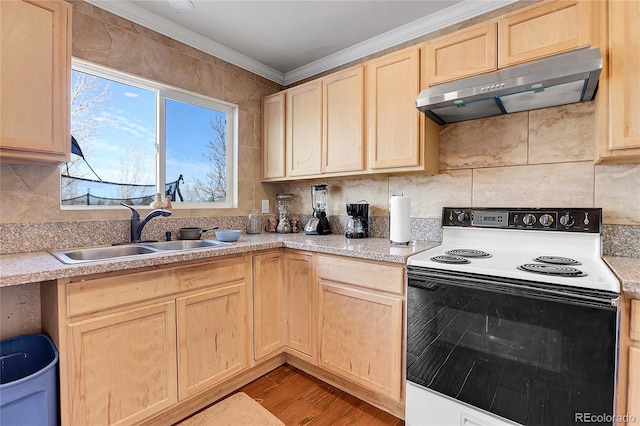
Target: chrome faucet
x: 137, y: 225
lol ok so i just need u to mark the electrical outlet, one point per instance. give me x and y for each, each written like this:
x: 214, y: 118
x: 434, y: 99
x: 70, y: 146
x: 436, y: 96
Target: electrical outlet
x: 265, y: 206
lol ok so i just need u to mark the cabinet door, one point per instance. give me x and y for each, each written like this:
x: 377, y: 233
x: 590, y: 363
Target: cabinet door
x: 343, y: 121
x: 123, y: 365
x: 212, y: 337
x: 304, y: 129
x: 273, y: 136
x: 393, y: 121
x: 361, y: 337
x: 543, y: 30
x: 633, y: 395
x: 462, y: 54
x: 624, y: 103
x: 300, y: 302
x: 268, y: 304
x: 35, y: 75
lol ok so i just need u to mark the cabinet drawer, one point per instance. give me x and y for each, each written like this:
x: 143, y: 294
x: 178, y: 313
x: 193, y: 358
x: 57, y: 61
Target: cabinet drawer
x: 364, y: 274
x: 634, y: 325
x: 103, y: 293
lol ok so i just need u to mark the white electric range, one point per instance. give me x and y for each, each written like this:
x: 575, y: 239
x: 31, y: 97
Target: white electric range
x: 509, y: 318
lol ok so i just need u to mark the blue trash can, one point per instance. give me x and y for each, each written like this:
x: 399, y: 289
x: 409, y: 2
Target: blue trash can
x: 28, y: 381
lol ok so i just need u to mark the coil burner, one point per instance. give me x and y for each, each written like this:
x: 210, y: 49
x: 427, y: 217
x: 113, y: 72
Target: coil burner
x: 468, y: 253
x: 453, y: 260
x: 555, y: 270
x: 557, y: 260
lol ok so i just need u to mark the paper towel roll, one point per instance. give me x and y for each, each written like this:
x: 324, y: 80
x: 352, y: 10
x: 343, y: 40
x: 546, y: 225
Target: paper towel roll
x: 399, y: 219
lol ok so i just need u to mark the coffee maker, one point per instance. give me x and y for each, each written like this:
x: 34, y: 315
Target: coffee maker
x: 319, y: 223
x: 358, y: 225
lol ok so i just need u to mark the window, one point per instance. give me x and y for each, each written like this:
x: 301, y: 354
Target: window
x: 133, y: 138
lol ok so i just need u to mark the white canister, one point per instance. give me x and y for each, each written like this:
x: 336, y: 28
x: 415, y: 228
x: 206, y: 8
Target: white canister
x: 399, y: 219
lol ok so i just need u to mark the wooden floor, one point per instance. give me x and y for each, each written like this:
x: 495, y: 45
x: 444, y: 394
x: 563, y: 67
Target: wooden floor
x: 297, y: 398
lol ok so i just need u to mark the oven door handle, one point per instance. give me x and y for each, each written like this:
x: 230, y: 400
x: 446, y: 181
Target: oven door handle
x: 430, y: 279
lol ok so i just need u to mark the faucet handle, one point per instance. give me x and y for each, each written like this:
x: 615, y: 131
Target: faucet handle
x: 134, y: 212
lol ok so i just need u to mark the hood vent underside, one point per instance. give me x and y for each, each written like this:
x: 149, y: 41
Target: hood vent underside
x: 557, y: 80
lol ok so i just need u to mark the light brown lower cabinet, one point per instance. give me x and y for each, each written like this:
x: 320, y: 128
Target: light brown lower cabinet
x: 138, y: 344
x: 633, y: 393
x: 212, y: 337
x: 283, y: 304
x: 360, y: 321
x: 361, y: 337
x: 268, y: 304
x: 163, y: 342
x: 300, y: 302
x: 123, y: 365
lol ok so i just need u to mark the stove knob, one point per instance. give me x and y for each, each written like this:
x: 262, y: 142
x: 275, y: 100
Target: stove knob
x: 463, y: 217
x: 528, y: 219
x: 567, y: 220
x: 546, y: 220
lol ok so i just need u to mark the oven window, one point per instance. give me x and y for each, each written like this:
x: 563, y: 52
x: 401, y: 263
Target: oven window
x: 533, y: 361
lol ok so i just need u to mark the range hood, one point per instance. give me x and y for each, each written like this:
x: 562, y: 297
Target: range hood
x: 557, y: 80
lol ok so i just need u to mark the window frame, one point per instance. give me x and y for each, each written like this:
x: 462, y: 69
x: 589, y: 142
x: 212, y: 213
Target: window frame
x: 163, y: 92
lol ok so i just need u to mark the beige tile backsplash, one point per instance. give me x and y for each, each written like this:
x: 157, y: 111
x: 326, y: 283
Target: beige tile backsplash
x: 536, y: 185
x: 544, y: 159
x: 562, y: 134
x: 492, y: 142
x: 536, y: 158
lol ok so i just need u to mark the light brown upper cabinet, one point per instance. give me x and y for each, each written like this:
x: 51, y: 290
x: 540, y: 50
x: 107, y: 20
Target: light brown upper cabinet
x: 618, y: 105
x: 543, y: 30
x: 462, y: 54
x: 343, y: 121
x: 273, y: 136
x: 304, y: 129
x: 359, y: 121
x: 396, y: 136
x: 538, y: 31
x: 35, y: 76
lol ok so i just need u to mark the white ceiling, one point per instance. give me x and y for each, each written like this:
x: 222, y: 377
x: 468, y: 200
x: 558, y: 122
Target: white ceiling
x: 287, y: 41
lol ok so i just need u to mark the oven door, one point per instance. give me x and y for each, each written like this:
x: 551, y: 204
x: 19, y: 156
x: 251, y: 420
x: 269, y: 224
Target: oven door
x: 528, y: 352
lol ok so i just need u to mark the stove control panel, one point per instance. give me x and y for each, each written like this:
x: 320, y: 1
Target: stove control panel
x: 541, y: 219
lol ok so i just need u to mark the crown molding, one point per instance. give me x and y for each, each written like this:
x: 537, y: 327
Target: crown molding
x: 447, y: 17
x: 163, y: 26
x: 457, y: 13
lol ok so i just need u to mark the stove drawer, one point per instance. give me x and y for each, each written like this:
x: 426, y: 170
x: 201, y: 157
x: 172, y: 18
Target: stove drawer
x: 634, y: 326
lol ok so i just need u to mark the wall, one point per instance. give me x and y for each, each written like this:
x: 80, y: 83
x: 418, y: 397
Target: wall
x: 32, y: 193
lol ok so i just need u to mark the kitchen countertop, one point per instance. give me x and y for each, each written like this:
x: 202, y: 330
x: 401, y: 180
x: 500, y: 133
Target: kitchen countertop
x: 627, y: 269
x: 23, y: 268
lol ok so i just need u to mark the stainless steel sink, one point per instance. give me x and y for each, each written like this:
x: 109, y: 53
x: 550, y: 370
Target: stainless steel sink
x: 92, y: 254
x: 185, y: 244
x: 89, y: 254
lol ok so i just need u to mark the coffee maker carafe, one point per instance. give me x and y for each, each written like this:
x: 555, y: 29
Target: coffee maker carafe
x: 358, y: 225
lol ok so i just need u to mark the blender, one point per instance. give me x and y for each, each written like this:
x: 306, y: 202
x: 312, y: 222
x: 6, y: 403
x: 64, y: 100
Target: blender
x: 319, y: 223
